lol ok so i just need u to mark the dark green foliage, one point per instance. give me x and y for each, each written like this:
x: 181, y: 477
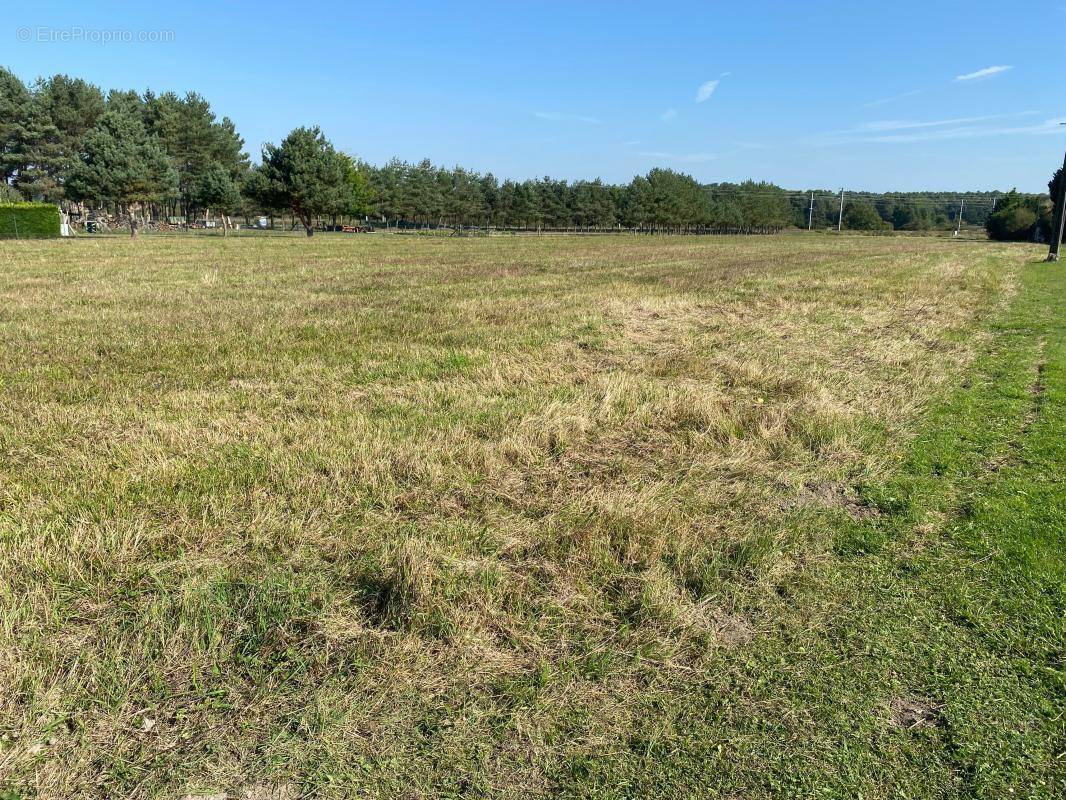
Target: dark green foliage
x: 196, y: 143
x: 260, y: 195
x: 1054, y: 187
x: 594, y: 204
x: 424, y: 194
x: 461, y: 195
x: 1014, y: 224
x: 304, y: 174
x: 44, y: 130
x: 1019, y: 218
x: 862, y: 216
x: 39, y: 153
x: 911, y: 217
x: 215, y: 189
x: 121, y: 164
x: 29, y: 221
x: 357, y: 200
x: 73, y: 107
x: 751, y: 204
x: 14, y: 103
x: 676, y: 199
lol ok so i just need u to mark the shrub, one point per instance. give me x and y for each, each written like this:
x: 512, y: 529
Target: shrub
x: 29, y: 221
x: 1015, y: 224
x: 1020, y: 218
x: 863, y: 217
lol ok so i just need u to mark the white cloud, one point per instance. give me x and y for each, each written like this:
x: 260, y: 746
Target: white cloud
x: 898, y: 125
x: 669, y: 115
x: 1046, y: 127
x: 893, y: 98
x: 557, y: 117
x: 706, y: 90
x: 987, y: 72
x: 939, y: 130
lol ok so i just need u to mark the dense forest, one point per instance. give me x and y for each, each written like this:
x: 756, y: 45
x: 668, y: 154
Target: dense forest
x: 169, y: 158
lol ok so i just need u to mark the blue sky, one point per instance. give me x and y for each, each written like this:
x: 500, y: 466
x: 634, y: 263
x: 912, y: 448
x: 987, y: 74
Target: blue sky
x: 878, y: 96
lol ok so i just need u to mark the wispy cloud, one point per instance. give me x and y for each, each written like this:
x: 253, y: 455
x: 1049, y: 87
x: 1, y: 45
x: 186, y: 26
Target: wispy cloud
x: 980, y: 74
x: 1050, y: 126
x: 987, y: 72
x: 904, y: 125
x: 631, y: 142
x: 706, y: 90
x: 892, y: 99
x: 669, y: 115
x: 893, y: 132
x: 554, y: 116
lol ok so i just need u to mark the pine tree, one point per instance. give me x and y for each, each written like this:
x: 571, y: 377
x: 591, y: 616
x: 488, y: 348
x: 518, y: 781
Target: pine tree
x: 73, y: 106
x: 306, y: 175
x: 14, y: 104
x: 123, y: 165
x: 195, y: 141
x: 215, y: 188
x: 38, y: 149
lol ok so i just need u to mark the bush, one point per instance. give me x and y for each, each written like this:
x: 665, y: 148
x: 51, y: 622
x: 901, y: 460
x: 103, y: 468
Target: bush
x: 1020, y: 218
x: 1014, y: 224
x: 863, y: 217
x: 29, y: 221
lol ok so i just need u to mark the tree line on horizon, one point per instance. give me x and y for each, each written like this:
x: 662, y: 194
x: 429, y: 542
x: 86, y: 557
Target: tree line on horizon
x: 63, y: 140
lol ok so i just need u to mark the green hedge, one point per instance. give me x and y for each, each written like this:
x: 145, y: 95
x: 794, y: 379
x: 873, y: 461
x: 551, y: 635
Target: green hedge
x: 29, y: 221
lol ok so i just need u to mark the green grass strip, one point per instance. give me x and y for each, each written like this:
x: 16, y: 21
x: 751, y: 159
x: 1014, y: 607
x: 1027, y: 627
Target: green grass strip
x: 924, y: 657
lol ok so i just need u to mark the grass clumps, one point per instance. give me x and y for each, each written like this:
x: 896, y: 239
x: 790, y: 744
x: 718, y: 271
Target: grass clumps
x: 473, y: 517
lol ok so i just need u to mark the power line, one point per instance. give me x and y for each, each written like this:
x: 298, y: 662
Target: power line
x: 870, y: 197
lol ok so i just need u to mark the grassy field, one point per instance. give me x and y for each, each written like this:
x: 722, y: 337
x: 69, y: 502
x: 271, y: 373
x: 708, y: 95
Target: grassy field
x: 624, y: 517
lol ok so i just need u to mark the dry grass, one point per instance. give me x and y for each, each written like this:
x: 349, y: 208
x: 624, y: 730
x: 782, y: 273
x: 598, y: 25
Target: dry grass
x: 395, y: 515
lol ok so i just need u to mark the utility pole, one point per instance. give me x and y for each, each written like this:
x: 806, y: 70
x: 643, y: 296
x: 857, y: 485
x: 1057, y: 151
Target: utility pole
x: 1056, y: 228
x: 962, y: 205
x: 810, y: 213
x: 840, y: 216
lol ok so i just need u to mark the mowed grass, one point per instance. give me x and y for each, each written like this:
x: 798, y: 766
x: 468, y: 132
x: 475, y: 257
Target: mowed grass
x: 399, y: 517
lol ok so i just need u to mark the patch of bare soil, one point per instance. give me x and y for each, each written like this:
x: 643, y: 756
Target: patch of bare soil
x: 257, y: 791
x: 833, y: 495
x: 732, y: 630
x: 1037, y: 390
x: 912, y: 713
